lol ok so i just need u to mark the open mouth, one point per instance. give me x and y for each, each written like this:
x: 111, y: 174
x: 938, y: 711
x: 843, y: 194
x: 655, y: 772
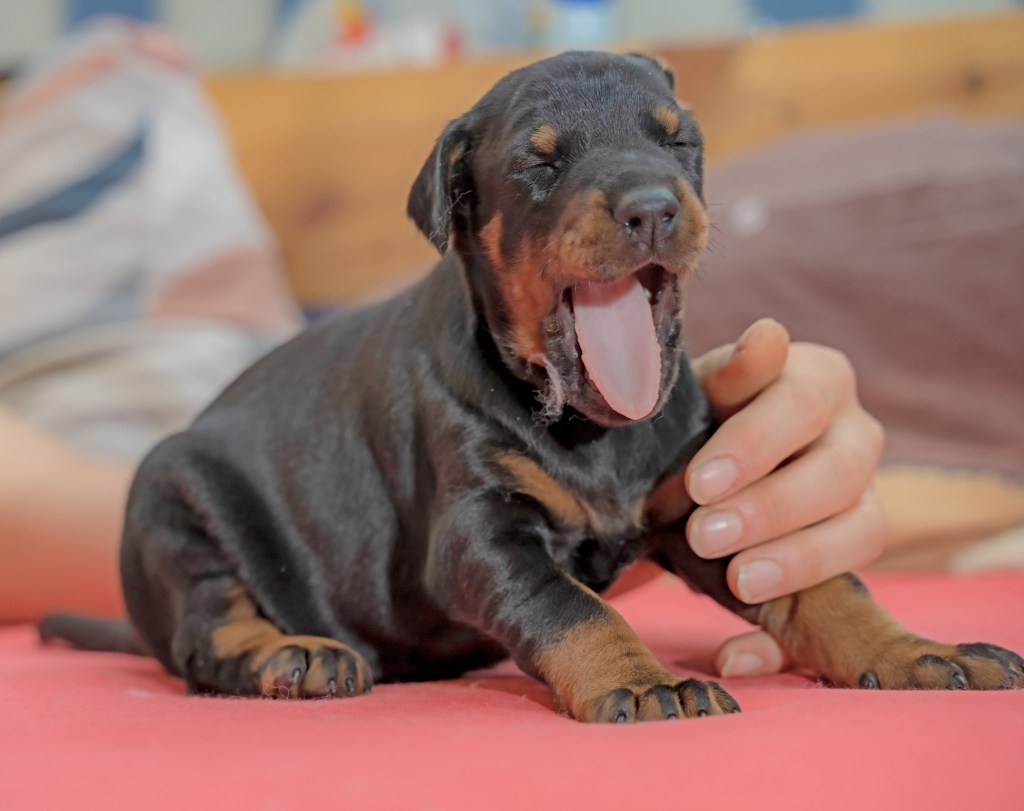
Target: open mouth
x: 654, y: 279
x: 619, y: 327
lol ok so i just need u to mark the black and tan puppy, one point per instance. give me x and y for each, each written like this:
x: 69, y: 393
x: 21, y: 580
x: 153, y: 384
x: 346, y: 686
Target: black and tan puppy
x: 433, y: 484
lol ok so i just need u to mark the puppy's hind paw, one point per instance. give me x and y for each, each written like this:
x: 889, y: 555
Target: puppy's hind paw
x: 310, y: 667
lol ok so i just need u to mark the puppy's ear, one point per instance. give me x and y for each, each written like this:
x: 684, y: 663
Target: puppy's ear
x: 660, y: 64
x: 434, y: 200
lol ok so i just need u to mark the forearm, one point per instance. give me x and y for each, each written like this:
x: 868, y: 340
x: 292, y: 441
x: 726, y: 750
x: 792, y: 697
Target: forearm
x: 60, y: 526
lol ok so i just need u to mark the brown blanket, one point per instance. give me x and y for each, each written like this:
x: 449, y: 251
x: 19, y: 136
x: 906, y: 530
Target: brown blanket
x: 901, y: 245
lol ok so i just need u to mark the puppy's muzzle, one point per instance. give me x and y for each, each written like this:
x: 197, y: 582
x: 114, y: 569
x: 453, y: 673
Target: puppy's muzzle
x: 649, y: 216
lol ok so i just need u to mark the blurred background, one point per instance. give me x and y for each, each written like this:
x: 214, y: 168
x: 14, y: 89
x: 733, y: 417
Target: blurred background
x: 161, y: 229
x: 347, y: 34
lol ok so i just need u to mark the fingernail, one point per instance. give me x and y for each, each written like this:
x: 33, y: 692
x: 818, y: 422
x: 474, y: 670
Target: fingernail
x: 742, y: 664
x: 712, y: 479
x: 757, y: 579
x: 715, y: 533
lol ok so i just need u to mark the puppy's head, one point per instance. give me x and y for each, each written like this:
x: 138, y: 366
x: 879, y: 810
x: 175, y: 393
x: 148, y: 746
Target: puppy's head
x: 572, y: 192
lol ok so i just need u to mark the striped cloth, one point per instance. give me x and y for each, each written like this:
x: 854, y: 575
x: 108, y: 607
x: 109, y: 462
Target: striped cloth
x: 136, y: 276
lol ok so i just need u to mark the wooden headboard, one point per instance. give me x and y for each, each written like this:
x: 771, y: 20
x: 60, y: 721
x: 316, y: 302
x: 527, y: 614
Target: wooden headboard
x: 331, y: 158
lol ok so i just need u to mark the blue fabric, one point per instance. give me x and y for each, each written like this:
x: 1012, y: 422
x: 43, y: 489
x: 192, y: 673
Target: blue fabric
x: 792, y: 11
x: 285, y: 8
x: 81, y: 10
x: 77, y: 197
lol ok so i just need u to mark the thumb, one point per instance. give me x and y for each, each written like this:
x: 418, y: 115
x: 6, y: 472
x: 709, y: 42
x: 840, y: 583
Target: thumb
x: 752, y: 654
x: 732, y: 375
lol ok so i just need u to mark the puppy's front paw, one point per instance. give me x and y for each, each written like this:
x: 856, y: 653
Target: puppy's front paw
x: 912, y: 663
x: 668, y: 698
x: 601, y: 672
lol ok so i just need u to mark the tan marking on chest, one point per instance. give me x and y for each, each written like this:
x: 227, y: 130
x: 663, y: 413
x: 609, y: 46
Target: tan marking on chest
x: 531, y: 480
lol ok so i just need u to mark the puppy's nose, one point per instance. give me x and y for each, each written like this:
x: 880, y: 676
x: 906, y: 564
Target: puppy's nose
x: 648, y: 215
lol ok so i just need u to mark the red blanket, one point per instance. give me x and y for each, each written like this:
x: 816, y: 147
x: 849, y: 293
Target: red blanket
x: 109, y: 731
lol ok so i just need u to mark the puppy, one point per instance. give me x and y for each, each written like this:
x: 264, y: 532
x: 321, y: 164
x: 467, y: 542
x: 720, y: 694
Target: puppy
x: 430, y: 485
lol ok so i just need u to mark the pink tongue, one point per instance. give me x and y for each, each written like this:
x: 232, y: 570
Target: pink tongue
x: 620, y: 349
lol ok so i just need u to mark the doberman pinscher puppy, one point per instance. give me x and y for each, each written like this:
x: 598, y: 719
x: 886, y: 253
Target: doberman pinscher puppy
x: 432, y: 484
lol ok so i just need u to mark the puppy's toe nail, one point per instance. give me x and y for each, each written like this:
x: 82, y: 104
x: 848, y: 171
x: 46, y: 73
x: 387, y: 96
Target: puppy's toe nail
x: 868, y: 681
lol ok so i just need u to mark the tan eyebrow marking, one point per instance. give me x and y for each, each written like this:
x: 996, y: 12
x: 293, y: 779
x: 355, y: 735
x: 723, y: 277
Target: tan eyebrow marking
x: 668, y: 118
x: 544, y: 139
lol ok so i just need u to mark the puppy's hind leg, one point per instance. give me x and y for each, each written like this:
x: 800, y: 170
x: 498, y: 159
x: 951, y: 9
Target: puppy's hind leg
x: 227, y: 646
x: 194, y: 522
x: 838, y: 631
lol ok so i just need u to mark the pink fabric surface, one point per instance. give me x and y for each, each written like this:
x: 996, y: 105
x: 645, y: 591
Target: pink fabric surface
x: 109, y: 731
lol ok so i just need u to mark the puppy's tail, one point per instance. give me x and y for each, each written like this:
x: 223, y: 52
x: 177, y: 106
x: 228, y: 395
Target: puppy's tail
x: 91, y: 633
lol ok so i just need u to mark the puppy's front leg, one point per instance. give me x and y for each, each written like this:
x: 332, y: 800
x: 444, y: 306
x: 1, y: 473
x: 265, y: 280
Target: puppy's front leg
x: 492, y: 570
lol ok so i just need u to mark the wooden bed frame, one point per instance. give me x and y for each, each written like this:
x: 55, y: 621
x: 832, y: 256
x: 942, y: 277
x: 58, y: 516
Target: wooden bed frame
x: 331, y: 158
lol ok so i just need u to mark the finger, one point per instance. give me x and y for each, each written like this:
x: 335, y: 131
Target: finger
x: 827, y: 480
x: 809, y: 556
x: 751, y: 654
x: 733, y: 374
x: 786, y: 417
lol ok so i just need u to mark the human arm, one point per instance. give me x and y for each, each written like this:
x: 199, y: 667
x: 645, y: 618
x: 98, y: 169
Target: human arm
x: 60, y: 525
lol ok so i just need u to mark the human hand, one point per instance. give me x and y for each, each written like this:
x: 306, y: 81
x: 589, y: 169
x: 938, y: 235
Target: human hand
x: 785, y: 482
